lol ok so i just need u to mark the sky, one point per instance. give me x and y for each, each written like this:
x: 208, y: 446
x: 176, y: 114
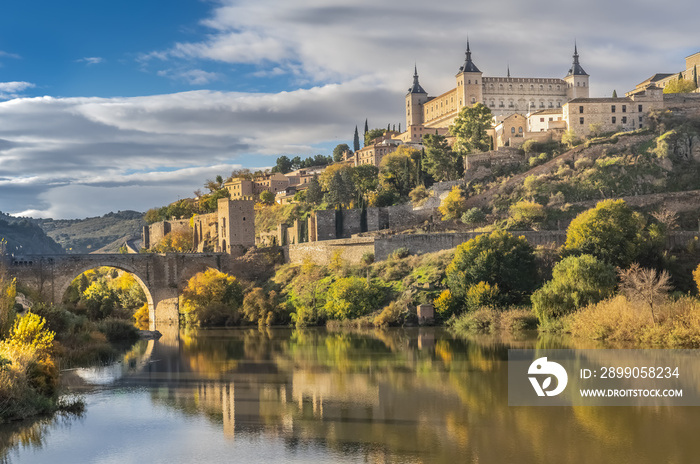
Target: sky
x: 108, y: 106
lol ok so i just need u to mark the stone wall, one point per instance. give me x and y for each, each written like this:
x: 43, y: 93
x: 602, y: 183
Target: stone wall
x: 206, y: 232
x: 686, y: 104
x: 154, y: 233
x: 351, y: 250
x: 478, y: 166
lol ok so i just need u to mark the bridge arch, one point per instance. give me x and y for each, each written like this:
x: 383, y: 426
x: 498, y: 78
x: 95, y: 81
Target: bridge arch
x: 67, y: 280
x: 162, y: 276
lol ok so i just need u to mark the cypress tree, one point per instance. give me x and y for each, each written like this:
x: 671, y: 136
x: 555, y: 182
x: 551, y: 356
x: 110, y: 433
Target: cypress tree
x: 394, y: 127
x: 388, y: 127
x: 695, y: 75
x: 399, y: 127
x: 614, y: 94
x: 366, y: 126
x: 356, y: 141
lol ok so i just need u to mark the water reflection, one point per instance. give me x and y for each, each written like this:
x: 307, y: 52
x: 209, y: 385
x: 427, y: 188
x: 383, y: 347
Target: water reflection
x: 414, y: 395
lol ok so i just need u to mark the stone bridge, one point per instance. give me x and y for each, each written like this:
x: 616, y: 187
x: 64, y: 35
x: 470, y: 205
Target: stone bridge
x: 162, y: 276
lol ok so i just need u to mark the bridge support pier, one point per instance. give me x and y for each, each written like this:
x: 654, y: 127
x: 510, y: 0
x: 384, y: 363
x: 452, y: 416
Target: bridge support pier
x: 165, y: 307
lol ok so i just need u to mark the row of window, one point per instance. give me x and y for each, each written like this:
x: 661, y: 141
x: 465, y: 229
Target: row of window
x: 531, y: 105
x: 521, y: 87
x: 613, y: 108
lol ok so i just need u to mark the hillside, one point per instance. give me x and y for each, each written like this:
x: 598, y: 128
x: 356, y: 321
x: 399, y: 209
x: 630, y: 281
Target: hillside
x: 88, y: 235
x: 25, y: 237
x: 649, y: 168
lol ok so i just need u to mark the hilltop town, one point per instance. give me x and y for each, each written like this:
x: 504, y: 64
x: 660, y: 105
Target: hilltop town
x: 548, y: 149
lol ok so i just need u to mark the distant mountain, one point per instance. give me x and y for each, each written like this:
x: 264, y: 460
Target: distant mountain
x: 106, y: 233
x: 25, y: 237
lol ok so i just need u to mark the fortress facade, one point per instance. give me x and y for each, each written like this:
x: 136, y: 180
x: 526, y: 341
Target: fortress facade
x: 504, y: 96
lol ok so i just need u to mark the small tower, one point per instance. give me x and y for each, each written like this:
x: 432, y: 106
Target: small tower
x: 469, y: 82
x: 415, y: 98
x: 236, y: 225
x: 576, y: 80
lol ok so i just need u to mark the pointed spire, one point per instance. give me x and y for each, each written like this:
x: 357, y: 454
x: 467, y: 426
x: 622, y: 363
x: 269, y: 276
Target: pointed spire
x: 576, y: 68
x: 416, y: 88
x: 468, y: 65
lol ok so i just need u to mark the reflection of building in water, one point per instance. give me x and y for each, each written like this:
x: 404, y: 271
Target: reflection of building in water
x: 213, y: 396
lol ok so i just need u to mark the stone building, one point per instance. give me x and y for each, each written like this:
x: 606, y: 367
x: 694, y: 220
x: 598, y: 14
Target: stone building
x: 661, y: 80
x: 239, y: 188
x: 377, y: 149
x: 231, y: 229
x: 503, y: 95
x: 584, y: 115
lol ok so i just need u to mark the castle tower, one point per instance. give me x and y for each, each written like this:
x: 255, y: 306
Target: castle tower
x: 469, y: 82
x: 415, y: 98
x: 236, y: 224
x: 576, y: 80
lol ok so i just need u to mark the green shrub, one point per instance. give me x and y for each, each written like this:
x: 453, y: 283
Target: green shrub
x: 577, y: 281
x: 352, y: 297
x: 118, y: 330
x: 473, y: 216
x: 497, y: 259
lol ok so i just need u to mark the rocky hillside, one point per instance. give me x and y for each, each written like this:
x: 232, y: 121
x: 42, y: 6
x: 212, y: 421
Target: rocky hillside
x: 88, y: 235
x: 22, y: 236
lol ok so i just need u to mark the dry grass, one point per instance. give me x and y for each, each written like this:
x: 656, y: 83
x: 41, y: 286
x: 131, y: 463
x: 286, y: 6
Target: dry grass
x: 619, y: 319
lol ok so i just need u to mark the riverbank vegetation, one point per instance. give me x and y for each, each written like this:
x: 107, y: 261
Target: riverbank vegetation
x: 28, y: 371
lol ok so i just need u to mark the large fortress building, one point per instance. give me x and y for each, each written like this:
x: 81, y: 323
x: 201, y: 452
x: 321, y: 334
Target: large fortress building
x: 503, y: 95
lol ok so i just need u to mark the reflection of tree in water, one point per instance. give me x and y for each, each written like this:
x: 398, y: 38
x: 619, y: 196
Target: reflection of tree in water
x: 31, y: 433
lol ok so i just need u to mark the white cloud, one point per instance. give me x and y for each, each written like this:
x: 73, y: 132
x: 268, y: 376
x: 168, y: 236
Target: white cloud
x: 191, y: 76
x: 91, y: 60
x: 340, y: 41
x: 8, y: 55
x: 70, y: 157
x: 13, y: 89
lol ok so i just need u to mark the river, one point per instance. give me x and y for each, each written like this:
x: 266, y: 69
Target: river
x: 420, y: 395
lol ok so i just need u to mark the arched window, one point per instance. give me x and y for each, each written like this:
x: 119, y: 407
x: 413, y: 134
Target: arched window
x: 500, y: 86
x: 512, y: 130
x: 520, y: 130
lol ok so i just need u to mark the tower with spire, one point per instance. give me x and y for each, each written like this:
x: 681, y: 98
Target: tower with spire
x: 415, y: 98
x: 469, y: 82
x: 576, y: 79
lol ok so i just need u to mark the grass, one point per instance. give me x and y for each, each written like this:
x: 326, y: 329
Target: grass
x: 490, y: 320
x: 619, y: 320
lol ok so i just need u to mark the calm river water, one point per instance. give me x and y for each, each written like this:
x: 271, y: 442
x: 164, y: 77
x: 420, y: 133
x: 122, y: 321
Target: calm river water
x: 317, y: 396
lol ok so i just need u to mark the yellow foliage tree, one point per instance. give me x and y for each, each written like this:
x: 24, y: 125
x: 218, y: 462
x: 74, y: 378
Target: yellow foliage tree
x: 453, y: 205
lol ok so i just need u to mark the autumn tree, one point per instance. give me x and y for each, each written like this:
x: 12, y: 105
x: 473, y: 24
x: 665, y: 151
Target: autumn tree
x: 453, y: 205
x: 680, y: 86
x: 267, y: 197
x: 470, y: 129
x: 212, y: 298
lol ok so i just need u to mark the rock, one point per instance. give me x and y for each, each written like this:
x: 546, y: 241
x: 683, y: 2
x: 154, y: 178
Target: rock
x: 150, y: 334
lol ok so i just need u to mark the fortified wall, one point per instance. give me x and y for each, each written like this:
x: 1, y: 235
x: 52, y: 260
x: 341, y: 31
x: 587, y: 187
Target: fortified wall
x: 338, y: 224
x: 480, y: 165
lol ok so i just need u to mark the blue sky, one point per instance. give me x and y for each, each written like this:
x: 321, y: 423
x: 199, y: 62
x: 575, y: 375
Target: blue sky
x: 108, y: 106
